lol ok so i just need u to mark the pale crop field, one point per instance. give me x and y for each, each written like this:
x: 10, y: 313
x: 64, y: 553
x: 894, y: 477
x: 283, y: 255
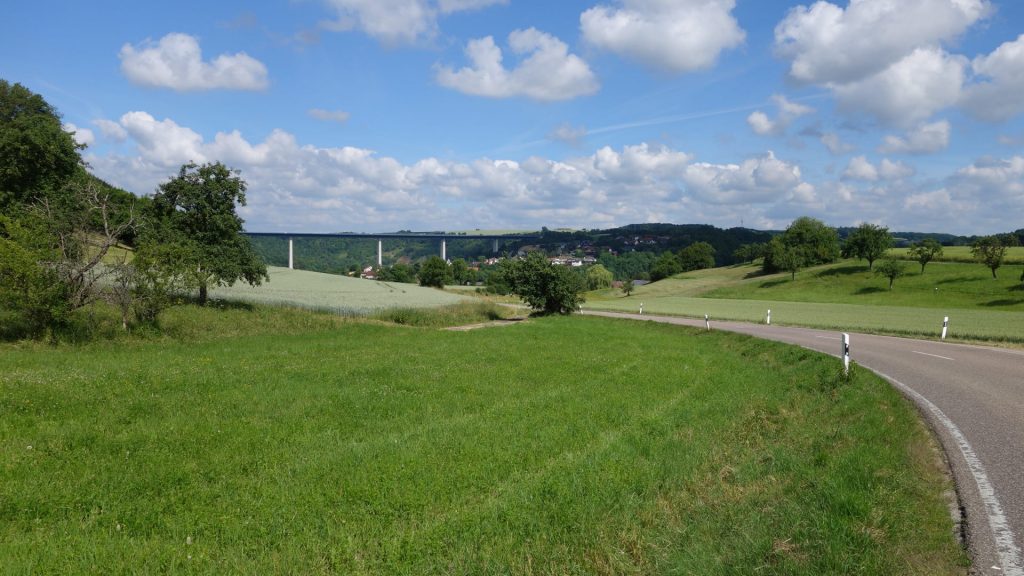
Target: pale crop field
x: 340, y: 294
x: 1014, y: 254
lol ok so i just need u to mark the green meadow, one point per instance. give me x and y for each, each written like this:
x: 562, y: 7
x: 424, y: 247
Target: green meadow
x: 845, y: 296
x: 270, y: 441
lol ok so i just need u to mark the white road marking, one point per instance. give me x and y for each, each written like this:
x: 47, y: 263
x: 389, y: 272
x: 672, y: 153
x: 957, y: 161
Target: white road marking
x: 932, y: 355
x: 1006, y: 548
x: 827, y: 337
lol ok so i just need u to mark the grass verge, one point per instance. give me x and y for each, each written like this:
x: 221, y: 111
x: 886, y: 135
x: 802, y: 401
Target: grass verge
x: 603, y: 447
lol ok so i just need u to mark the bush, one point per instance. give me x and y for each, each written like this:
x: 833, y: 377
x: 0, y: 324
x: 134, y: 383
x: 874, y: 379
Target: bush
x: 547, y: 288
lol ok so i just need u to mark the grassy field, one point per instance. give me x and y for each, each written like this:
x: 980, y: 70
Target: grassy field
x: 339, y: 294
x: 1014, y: 254
x: 844, y: 296
x: 357, y: 448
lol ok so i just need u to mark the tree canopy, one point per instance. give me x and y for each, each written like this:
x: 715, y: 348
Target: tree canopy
x: 697, y: 256
x: 925, y: 251
x: 435, y: 272
x: 868, y: 242
x: 196, y: 210
x: 545, y: 287
x: 806, y: 242
x: 990, y: 251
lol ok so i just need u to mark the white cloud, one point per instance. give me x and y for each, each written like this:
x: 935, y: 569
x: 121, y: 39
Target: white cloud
x: 762, y: 125
x: 568, y: 134
x: 756, y: 180
x: 835, y: 145
x: 860, y: 169
x: 346, y: 188
x: 111, y: 129
x: 677, y: 35
x: 176, y: 62
x: 547, y: 71
x: 998, y: 98
x: 396, y: 22
x: 910, y: 90
x: 828, y: 44
x: 82, y: 136
x: 924, y: 139
x: 329, y: 115
x: 889, y: 170
x: 990, y: 178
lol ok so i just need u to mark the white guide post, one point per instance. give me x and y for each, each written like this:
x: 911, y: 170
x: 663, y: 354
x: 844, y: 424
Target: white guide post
x: 768, y: 318
x: 945, y: 326
x: 846, y: 353
x: 707, y: 322
x: 380, y: 253
x: 291, y: 253
x: 444, y: 249
x: 641, y: 308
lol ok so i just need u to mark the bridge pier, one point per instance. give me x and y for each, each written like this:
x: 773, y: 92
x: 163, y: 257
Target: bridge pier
x: 444, y: 249
x: 495, y: 245
x: 291, y: 253
x: 380, y: 253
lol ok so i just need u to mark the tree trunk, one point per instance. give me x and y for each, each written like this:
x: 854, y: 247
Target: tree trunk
x: 202, y: 294
x: 993, y: 272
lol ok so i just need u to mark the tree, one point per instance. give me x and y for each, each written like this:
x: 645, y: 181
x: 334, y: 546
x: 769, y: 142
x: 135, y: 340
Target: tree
x: 892, y: 269
x: 460, y: 271
x: 547, y: 288
x: 667, y: 265
x: 697, y: 256
x: 39, y: 157
x: 161, y: 274
x: 750, y: 252
x: 402, y: 273
x: 435, y: 272
x: 868, y: 242
x: 925, y: 251
x: 990, y: 251
x: 599, y: 277
x: 30, y: 290
x: 628, y: 287
x: 196, y: 209
x: 807, y: 242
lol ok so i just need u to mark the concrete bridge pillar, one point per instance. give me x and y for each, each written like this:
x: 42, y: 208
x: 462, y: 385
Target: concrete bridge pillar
x: 380, y: 253
x: 444, y: 249
x: 291, y: 253
x: 495, y: 245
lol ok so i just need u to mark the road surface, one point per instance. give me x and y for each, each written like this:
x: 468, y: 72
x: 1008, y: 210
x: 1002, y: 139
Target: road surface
x: 973, y: 397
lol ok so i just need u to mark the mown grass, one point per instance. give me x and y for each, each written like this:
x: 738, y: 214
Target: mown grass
x: 844, y: 296
x: 602, y: 447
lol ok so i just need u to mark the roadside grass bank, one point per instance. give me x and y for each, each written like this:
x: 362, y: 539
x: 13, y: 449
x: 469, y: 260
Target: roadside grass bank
x: 603, y: 446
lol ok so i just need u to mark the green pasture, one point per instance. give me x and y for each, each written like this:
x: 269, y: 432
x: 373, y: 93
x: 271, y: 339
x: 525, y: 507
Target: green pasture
x: 843, y: 296
x: 554, y: 446
x: 340, y: 294
x: 1014, y: 254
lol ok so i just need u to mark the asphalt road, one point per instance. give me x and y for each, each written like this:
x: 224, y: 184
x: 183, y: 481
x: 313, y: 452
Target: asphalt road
x: 973, y: 397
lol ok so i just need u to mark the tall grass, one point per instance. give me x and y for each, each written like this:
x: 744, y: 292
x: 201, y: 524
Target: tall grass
x: 559, y: 446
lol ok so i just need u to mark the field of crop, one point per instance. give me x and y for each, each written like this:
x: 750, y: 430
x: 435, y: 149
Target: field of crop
x: 362, y: 449
x: 844, y: 296
x: 1014, y: 254
x: 339, y: 294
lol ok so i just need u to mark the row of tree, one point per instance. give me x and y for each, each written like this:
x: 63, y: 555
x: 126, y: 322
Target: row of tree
x: 68, y: 240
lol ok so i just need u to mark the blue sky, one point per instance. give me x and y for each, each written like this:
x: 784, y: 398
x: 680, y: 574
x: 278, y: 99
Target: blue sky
x: 377, y: 115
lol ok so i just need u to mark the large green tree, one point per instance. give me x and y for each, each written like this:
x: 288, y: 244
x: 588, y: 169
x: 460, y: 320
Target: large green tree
x: 665, y: 266
x: 38, y: 156
x: 435, y: 272
x: 599, y: 277
x: 868, y: 242
x: 806, y: 242
x: 197, y: 210
x: 925, y: 251
x: 892, y: 269
x: 697, y: 256
x: 990, y: 251
x: 547, y: 288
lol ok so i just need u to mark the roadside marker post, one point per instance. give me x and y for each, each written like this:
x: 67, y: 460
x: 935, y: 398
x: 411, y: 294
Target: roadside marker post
x: 707, y: 321
x: 641, y: 308
x: 768, y: 318
x: 945, y: 326
x: 846, y: 353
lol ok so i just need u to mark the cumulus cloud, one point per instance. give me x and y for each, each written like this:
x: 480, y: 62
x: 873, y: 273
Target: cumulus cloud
x: 829, y: 44
x: 756, y: 180
x: 111, y: 129
x: 835, y: 144
x: 676, y: 35
x: 329, y: 115
x: 998, y: 96
x: 397, y: 21
x: 762, y: 125
x: 546, y: 72
x: 924, y: 139
x: 989, y: 178
x: 889, y: 170
x: 568, y: 134
x: 347, y: 188
x: 860, y: 168
x: 82, y: 136
x: 176, y: 62
x: 909, y: 91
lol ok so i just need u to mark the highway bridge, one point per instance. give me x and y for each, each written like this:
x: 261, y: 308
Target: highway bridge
x: 444, y: 237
